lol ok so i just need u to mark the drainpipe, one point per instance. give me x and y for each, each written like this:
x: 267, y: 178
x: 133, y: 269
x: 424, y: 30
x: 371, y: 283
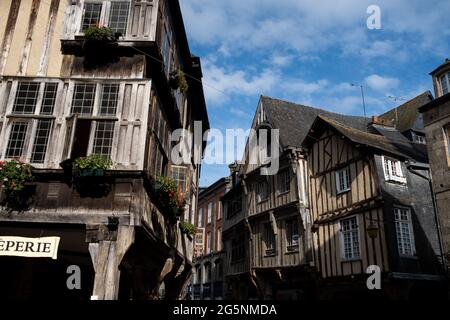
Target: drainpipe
x: 436, y: 214
x: 250, y: 258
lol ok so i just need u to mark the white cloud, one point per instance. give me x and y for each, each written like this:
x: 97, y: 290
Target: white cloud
x: 240, y: 113
x: 380, y: 83
x: 312, y: 26
x: 301, y: 86
x: 282, y: 60
x: 219, y: 82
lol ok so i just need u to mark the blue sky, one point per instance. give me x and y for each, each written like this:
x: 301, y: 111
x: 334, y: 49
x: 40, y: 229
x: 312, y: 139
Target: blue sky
x: 309, y: 51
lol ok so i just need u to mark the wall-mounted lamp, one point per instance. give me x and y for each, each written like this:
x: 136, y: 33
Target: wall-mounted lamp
x: 372, y: 230
x: 113, y: 223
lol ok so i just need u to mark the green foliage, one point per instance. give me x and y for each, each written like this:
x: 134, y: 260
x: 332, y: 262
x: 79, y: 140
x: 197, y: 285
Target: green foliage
x: 177, y: 80
x: 13, y: 177
x: 188, y: 228
x: 95, y: 161
x: 95, y: 33
x: 182, y: 82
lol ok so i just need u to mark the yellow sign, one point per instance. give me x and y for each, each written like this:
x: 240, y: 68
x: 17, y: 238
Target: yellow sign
x: 29, y: 247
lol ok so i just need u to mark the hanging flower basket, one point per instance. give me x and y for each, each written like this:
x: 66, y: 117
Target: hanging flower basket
x: 172, y: 201
x: 188, y: 228
x: 177, y: 80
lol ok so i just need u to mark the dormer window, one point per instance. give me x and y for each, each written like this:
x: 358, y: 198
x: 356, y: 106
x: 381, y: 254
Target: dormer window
x: 393, y: 170
x: 445, y: 83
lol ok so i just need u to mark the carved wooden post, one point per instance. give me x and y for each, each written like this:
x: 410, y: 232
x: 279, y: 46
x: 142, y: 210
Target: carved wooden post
x: 106, y: 257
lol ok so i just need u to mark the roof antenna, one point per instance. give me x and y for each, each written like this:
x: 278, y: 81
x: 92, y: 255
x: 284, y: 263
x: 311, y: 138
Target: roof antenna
x: 362, y: 96
x: 396, y: 108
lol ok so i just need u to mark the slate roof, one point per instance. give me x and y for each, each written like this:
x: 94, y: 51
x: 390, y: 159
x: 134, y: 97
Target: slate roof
x: 385, y: 139
x: 415, y: 151
x: 408, y: 116
x: 376, y: 141
x: 294, y: 120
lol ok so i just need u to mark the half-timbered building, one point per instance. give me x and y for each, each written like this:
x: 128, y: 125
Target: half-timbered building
x: 67, y: 93
x: 267, y: 228
x: 372, y: 209
x: 350, y: 193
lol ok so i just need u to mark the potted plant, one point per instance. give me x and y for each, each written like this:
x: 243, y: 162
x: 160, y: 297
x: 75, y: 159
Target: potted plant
x: 177, y: 80
x: 14, y: 176
x: 91, y: 166
x: 188, y: 228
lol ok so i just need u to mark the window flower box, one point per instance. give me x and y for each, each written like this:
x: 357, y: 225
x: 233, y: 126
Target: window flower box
x: 100, y: 35
x: 92, y: 166
x: 83, y: 173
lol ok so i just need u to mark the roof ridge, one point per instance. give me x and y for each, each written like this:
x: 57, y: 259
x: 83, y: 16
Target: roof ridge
x: 425, y: 93
x: 350, y: 128
x: 313, y: 107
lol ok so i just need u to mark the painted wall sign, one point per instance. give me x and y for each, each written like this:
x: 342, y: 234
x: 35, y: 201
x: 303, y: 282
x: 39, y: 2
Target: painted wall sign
x: 29, y: 247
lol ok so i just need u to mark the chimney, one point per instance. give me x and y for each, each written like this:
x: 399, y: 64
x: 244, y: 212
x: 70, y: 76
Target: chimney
x: 233, y: 173
x: 382, y: 121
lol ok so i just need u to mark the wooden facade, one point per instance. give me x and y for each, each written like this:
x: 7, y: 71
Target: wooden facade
x: 262, y: 207
x: 130, y: 119
x: 329, y: 154
x: 353, y: 184
x: 67, y: 105
x: 356, y: 207
x: 141, y: 26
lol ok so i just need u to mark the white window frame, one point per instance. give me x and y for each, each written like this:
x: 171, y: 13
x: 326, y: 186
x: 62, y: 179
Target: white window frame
x: 208, y: 242
x: 105, y: 14
x: 353, y: 256
x: 98, y: 139
x: 345, y: 174
x: 96, y: 116
x: 219, y: 239
x: 200, y: 219
x: 446, y: 78
x: 31, y: 118
x: 183, y: 184
x: 446, y: 132
x: 398, y: 224
x: 219, y: 210
x: 389, y: 175
x: 199, y: 242
x: 210, y: 212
